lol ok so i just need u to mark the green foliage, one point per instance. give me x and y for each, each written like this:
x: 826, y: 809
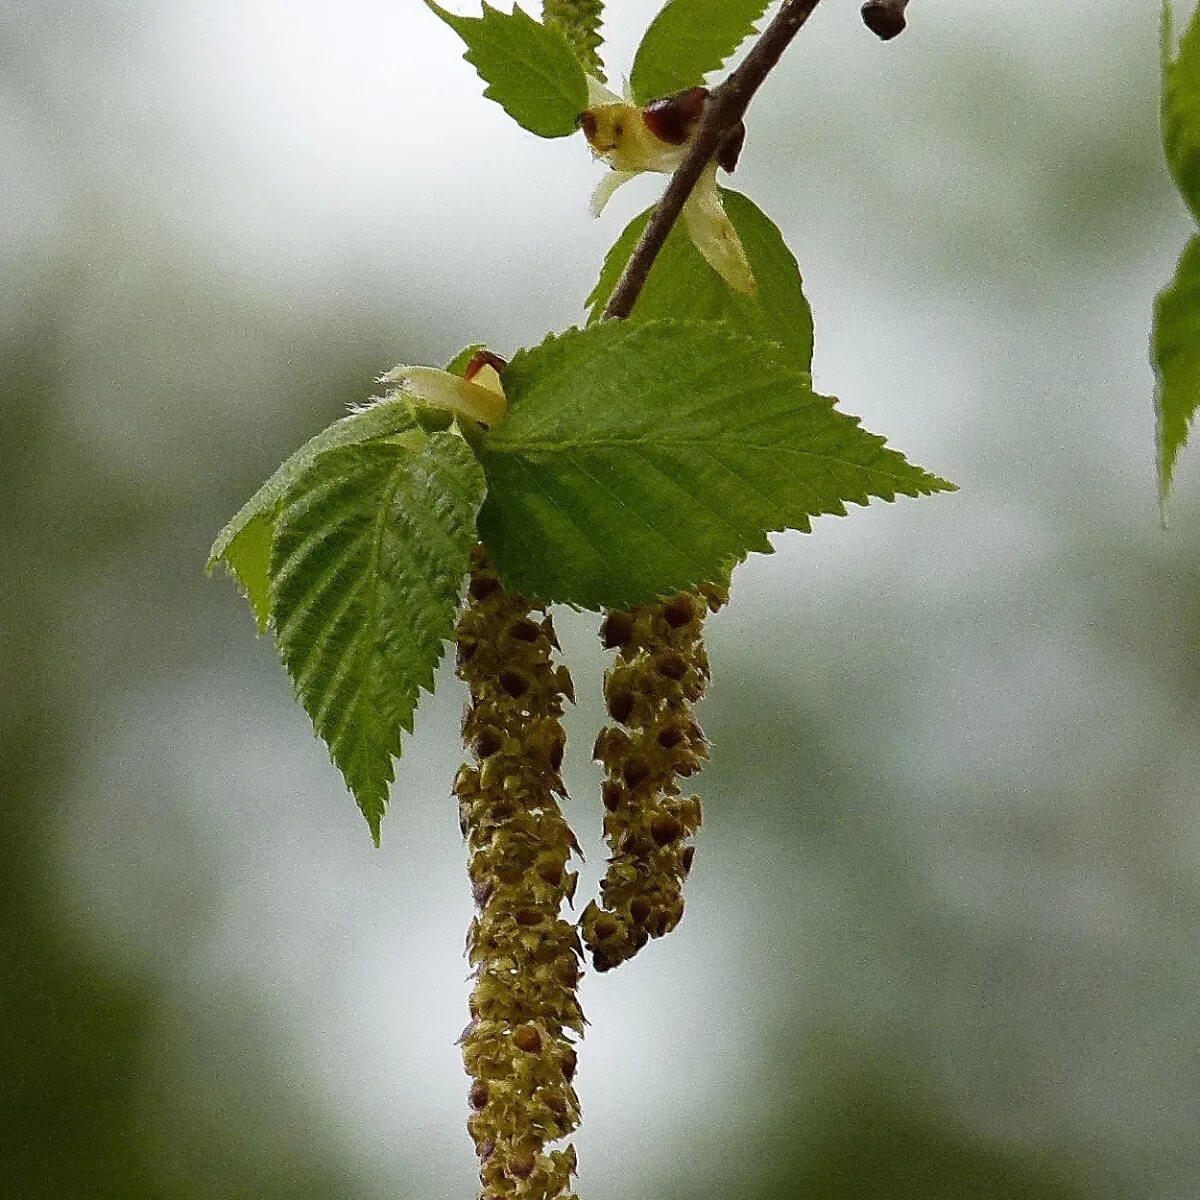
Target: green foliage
x: 371, y: 546
x: 245, y: 543
x: 1176, y: 352
x: 580, y: 22
x: 530, y: 69
x: 1181, y: 107
x: 682, y: 284
x: 1177, y: 311
x: 639, y: 459
x: 688, y: 39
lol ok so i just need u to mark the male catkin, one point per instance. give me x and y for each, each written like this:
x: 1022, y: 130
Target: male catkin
x: 580, y: 22
x: 517, y: 1047
x: 661, y: 670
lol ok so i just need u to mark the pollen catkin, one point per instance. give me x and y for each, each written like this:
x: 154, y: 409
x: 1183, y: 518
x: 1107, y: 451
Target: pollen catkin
x: 661, y: 670
x: 580, y: 22
x: 525, y: 956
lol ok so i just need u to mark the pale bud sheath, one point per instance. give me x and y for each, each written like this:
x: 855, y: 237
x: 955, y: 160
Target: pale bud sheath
x: 632, y: 140
x: 714, y: 235
x: 480, y: 399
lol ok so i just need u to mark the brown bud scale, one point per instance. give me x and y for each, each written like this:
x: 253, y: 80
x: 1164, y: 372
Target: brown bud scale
x: 481, y: 359
x: 885, y: 18
x: 673, y: 118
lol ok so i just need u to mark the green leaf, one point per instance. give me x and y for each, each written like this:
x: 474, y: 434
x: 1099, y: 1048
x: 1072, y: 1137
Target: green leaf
x: 1175, y: 349
x: 683, y: 285
x: 1181, y: 107
x: 688, y: 39
x: 248, y: 557
x: 637, y: 460
x: 370, y: 551
x: 245, y: 543
x: 530, y: 69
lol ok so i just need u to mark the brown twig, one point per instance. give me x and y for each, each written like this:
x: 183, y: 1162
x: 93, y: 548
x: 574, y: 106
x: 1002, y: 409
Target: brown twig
x: 726, y: 107
x: 885, y: 18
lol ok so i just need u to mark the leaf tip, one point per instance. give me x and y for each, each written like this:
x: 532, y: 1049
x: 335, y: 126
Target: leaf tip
x: 372, y: 804
x: 1165, y: 455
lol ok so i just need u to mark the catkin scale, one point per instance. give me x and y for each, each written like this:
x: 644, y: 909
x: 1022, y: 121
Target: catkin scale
x: 525, y: 957
x: 661, y: 670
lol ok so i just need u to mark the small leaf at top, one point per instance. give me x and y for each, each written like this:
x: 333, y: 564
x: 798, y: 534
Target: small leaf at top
x: 687, y: 40
x: 245, y: 543
x: 371, y: 547
x: 530, y: 68
x: 683, y: 285
x: 1175, y: 349
x: 1181, y: 107
x: 638, y: 460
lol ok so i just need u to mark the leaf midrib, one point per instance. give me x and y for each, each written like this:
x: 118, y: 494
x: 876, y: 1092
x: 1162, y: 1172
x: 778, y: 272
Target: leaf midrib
x: 548, y: 449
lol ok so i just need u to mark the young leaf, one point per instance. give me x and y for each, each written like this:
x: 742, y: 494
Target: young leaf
x: 1175, y: 347
x: 682, y: 284
x: 1181, y: 107
x: 245, y: 543
x: 530, y: 69
x: 371, y: 547
x: 637, y: 460
x: 688, y: 39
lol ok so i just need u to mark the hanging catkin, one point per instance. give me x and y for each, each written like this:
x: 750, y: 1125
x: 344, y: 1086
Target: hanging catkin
x: 661, y: 670
x: 580, y: 21
x: 525, y: 956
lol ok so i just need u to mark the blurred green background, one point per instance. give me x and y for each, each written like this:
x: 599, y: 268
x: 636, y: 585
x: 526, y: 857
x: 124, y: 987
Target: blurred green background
x: 943, y: 936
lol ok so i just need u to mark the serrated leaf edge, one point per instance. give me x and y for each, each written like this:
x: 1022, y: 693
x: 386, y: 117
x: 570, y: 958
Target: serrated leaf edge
x: 455, y: 20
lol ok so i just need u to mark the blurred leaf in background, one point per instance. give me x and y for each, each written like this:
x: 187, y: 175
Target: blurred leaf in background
x: 85, y: 1109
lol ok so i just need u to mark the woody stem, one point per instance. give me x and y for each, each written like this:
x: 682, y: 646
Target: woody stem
x: 726, y: 107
